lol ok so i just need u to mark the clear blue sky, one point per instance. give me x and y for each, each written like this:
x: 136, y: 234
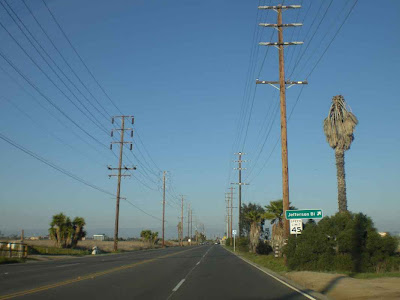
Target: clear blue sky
x: 180, y: 68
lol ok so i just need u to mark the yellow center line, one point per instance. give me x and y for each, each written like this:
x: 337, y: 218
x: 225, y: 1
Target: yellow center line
x: 85, y: 277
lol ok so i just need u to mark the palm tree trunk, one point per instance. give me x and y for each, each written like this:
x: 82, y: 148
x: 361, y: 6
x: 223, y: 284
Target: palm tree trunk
x: 341, y: 180
x: 254, y: 236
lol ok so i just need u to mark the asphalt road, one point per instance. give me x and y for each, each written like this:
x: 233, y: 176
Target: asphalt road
x: 201, y: 272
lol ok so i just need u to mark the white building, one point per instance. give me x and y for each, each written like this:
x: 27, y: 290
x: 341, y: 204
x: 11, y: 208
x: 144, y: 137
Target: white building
x: 99, y: 237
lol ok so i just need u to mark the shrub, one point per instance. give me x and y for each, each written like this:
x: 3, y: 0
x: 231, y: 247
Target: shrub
x: 228, y: 242
x: 243, y: 244
x: 345, y: 242
x: 263, y: 248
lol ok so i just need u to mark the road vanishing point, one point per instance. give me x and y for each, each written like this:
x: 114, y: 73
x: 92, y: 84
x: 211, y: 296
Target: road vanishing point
x: 197, y: 272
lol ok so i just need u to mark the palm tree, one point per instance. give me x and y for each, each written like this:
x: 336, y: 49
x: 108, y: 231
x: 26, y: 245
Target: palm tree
x: 58, y: 230
x: 78, y: 232
x: 338, y: 128
x: 274, y: 213
x: 254, y: 216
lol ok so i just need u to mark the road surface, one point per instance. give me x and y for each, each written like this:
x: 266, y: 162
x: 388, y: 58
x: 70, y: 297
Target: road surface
x: 198, y: 272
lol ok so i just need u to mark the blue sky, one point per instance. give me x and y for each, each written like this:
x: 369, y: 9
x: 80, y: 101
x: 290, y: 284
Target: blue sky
x: 180, y: 68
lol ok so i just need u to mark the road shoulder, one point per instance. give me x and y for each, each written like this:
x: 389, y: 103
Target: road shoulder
x: 311, y: 294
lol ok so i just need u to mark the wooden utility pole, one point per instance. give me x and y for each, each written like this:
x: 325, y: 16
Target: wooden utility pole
x: 181, y: 221
x: 282, y: 93
x: 163, y: 212
x: 231, y: 207
x: 188, y: 231
x: 228, y: 217
x: 119, y: 169
x: 240, y: 183
x: 191, y: 226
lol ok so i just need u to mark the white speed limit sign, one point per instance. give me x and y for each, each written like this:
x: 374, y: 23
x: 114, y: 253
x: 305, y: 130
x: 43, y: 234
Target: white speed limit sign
x: 296, y: 226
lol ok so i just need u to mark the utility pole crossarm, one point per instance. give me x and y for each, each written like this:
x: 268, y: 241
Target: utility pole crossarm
x: 275, y: 7
x: 277, y: 82
x: 283, y: 25
x: 280, y: 44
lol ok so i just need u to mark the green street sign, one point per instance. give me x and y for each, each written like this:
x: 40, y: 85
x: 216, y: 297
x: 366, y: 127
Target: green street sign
x: 304, y: 214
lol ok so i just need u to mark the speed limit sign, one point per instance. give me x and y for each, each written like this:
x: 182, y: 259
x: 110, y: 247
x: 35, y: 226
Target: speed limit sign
x: 296, y: 226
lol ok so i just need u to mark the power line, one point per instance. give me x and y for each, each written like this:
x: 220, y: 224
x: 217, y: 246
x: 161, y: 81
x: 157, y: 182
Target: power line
x: 80, y: 58
x: 49, y: 56
x: 52, y: 165
x: 48, y: 99
x: 48, y: 77
x: 63, y: 58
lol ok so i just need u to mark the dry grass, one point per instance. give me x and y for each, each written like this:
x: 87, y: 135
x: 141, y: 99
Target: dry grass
x: 106, y: 246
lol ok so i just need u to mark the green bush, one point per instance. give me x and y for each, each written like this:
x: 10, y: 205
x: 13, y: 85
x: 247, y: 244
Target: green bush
x: 345, y: 242
x: 243, y: 244
x: 56, y: 251
x: 228, y: 242
x: 263, y: 248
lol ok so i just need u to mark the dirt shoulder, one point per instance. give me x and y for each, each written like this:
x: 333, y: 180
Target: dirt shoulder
x: 330, y: 285
x: 340, y: 286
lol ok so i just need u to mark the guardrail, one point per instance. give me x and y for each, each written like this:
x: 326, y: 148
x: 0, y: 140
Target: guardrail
x: 17, y: 250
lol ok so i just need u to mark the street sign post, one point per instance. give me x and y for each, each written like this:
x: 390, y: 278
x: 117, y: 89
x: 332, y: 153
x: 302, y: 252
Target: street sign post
x: 304, y: 214
x: 234, y: 238
x: 296, y: 226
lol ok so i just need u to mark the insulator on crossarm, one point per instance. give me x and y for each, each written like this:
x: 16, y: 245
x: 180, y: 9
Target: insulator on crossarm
x: 131, y: 147
x: 110, y: 146
x: 131, y: 133
x: 112, y: 133
x: 133, y: 120
x: 112, y: 120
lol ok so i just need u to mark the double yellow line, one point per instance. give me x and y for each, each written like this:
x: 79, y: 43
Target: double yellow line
x: 89, y: 276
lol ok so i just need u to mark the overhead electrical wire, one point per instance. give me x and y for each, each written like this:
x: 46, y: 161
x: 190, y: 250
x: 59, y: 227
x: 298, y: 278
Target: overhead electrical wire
x: 49, y: 56
x: 48, y: 99
x: 49, y: 78
x: 53, y: 165
x: 78, y: 55
x: 63, y: 58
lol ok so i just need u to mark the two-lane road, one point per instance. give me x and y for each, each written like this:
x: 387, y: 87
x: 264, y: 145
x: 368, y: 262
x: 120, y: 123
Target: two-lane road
x: 203, y: 272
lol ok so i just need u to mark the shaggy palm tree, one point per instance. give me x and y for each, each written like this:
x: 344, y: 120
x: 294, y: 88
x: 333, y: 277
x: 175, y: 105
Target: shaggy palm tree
x: 58, y: 230
x: 338, y: 128
x: 77, y: 231
x: 255, y: 217
x: 274, y: 213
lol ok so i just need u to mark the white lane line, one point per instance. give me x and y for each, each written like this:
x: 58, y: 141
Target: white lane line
x: 178, y: 285
x: 183, y: 280
x: 276, y: 278
x: 62, y: 266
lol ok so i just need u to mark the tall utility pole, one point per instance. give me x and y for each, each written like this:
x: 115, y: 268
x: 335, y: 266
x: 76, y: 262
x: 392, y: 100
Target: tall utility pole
x: 240, y: 183
x: 282, y: 89
x: 231, y: 207
x: 181, y: 237
x: 228, y: 216
x: 188, y: 231
x: 191, y: 226
x: 120, y: 168
x: 163, y: 211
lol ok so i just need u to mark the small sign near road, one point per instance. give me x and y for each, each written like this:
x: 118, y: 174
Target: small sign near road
x: 296, y: 226
x: 304, y: 214
x: 234, y: 231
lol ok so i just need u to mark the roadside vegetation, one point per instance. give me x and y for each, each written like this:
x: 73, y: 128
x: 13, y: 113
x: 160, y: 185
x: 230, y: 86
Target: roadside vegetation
x: 13, y: 260
x: 345, y: 243
x: 150, y: 237
x: 66, y: 233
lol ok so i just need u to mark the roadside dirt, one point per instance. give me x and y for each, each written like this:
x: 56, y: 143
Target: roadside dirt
x: 339, y: 286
